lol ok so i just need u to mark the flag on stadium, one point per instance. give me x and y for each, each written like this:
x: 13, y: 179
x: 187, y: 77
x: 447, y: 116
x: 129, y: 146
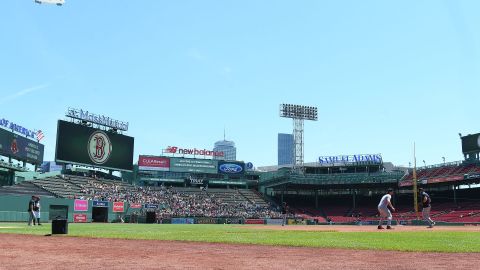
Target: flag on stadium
x: 40, y: 135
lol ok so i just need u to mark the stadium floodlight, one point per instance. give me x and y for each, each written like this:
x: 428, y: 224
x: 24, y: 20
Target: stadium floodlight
x: 299, y: 113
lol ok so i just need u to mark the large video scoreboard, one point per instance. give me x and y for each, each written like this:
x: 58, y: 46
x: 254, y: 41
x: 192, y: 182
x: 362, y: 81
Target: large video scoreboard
x: 471, y: 144
x: 84, y: 145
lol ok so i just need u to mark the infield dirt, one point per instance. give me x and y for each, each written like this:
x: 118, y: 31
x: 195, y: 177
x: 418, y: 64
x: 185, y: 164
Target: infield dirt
x: 40, y: 252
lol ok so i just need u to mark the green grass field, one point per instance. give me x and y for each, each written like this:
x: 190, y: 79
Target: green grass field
x: 427, y: 241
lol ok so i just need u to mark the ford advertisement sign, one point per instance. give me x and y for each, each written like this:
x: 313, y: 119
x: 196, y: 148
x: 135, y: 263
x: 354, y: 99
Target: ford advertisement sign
x: 231, y: 167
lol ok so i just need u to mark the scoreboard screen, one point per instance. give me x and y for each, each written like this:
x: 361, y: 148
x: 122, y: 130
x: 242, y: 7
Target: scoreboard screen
x: 83, y: 145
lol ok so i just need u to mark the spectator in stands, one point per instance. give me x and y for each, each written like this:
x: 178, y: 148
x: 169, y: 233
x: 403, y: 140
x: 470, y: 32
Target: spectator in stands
x: 31, y: 217
x: 426, y: 207
x: 174, y: 203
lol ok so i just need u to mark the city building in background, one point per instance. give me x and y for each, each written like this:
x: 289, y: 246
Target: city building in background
x: 285, y: 149
x: 50, y: 166
x: 228, y: 148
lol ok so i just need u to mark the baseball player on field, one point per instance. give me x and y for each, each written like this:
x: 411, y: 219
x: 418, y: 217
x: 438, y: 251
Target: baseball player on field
x: 383, y: 206
x: 36, y: 210
x: 426, y: 207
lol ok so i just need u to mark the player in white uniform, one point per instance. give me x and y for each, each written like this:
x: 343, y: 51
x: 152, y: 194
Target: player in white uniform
x: 36, y: 210
x: 384, y: 211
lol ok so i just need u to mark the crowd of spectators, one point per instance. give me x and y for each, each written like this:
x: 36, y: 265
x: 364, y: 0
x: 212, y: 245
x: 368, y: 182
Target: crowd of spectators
x: 173, y: 203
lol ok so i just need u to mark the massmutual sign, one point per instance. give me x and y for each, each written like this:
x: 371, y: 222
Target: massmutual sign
x: 97, y: 119
x: 351, y: 159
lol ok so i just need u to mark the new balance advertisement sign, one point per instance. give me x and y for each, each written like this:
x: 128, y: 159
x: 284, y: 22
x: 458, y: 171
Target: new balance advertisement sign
x: 193, y: 151
x: 83, y: 145
x: 229, y: 167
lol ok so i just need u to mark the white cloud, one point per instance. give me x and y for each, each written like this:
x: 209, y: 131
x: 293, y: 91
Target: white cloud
x: 22, y: 93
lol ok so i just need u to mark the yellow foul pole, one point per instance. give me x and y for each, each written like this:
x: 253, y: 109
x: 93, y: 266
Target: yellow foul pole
x: 415, y: 190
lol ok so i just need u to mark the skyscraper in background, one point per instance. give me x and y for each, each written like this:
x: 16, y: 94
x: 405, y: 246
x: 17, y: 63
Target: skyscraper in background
x: 228, y: 148
x: 285, y: 149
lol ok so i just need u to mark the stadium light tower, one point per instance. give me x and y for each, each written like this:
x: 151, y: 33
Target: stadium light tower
x: 299, y: 114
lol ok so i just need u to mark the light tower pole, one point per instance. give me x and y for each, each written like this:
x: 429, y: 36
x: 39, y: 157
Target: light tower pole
x: 299, y: 114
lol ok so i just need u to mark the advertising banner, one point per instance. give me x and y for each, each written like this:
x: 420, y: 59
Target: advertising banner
x: 472, y: 176
x: 147, y: 163
x: 255, y: 221
x: 83, y: 145
x: 151, y: 206
x: 351, y: 159
x: 193, y: 152
x: 207, y: 221
x: 80, y: 206
x: 274, y: 221
x: 297, y: 222
x: 118, y: 207
x: 80, y: 218
x: 135, y: 205
x: 445, y: 179
x: 231, y: 167
x: 183, y: 221
x: 20, y: 148
x: 405, y: 183
x: 192, y: 165
x: 100, y: 204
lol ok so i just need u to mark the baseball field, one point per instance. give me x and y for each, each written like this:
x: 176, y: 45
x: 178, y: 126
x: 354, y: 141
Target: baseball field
x: 152, y: 246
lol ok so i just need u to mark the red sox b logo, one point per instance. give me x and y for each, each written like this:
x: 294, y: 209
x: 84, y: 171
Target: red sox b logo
x: 99, y: 147
x: 14, y: 147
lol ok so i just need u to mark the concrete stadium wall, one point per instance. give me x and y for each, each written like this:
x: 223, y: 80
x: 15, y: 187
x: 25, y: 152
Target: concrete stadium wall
x: 14, y: 208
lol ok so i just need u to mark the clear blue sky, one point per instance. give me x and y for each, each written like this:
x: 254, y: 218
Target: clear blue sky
x: 383, y: 73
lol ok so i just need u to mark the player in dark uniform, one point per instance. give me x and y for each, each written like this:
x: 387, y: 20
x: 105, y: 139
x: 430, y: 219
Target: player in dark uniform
x: 426, y: 207
x: 31, y: 206
x: 284, y: 213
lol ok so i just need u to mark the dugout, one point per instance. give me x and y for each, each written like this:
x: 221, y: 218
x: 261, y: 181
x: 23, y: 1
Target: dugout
x: 100, y: 214
x: 151, y: 217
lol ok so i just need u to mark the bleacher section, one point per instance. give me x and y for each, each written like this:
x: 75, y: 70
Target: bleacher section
x: 454, y: 171
x: 58, y: 186
x: 346, y: 178
x: 229, y: 196
x: 253, y: 197
x: 280, y: 178
x: 72, y: 186
x: 25, y: 188
x: 338, y: 210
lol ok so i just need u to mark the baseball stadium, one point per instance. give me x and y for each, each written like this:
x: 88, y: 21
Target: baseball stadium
x: 101, y: 207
